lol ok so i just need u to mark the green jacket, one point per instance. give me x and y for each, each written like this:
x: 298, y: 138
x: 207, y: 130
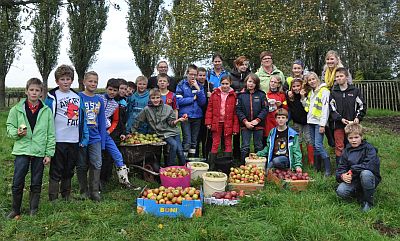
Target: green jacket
x: 42, y: 141
x: 265, y: 77
x: 160, y: 118
x: 293, y: 144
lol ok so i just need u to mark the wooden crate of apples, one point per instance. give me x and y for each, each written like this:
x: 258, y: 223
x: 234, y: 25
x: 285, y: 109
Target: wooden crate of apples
x: 249, y: 178
x: 295, y: 181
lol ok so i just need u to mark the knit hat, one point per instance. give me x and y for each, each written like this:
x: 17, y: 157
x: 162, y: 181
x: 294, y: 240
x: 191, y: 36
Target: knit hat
x: 299, y: 62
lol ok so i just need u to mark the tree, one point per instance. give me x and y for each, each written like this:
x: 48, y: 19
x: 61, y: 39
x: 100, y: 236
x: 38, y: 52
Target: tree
x: 145, y: 28
x: 46, y: 38
x: 10, y: 39
x: 87, y: 21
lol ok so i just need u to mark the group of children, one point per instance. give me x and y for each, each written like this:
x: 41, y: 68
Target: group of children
x: 82, y: 130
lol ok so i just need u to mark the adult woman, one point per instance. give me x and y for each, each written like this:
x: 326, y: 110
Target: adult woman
x: 267, y: 70
x: 215, y: 74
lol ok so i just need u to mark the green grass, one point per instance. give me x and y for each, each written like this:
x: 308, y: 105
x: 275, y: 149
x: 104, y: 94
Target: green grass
x: 381, y: 113
x: 273, y: 214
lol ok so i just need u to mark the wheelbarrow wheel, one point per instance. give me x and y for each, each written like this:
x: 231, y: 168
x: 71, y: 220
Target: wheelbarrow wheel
x: 148, y: 177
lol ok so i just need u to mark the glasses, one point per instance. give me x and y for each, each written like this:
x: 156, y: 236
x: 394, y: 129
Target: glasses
x: 163, y: 67
x: 266, y: 58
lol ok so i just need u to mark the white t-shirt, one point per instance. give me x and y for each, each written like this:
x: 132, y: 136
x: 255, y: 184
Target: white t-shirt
x: 67, y: 117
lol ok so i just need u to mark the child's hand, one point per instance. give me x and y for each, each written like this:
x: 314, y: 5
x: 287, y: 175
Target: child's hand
x: 290, y: 94
x: 249, y: 125
x: 208, y: 126
x: 22, y: 132
x: 185, y: 116
x: 346, y: 177
x: 128, y: 136
x: 195, y: 85
x: 234, y: 133
x: 303, y: 93
x: 254, y: 122
x: 195, y: 97
x: 209, y: 94
x: 122, y: 137
x: 46, y: 160
x: 356, y: 120
x: 344, y: 121
x: 322, y: 129
x: 299, y: 170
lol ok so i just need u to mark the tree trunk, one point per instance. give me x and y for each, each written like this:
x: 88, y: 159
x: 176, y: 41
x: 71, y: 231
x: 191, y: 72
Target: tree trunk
x: 2, y: 91
x: 80, y: 80
x: 45, y: 87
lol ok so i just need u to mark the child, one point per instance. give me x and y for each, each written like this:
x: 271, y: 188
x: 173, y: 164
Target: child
x: 71, y: 131
x: 299, y: 117
x: 131, y: 89
x: 122, y: 108
x: 215, y: 74
x: 162, y: 119
x: 221, y: 117
x: 282, y: 147
x: 167, y: 96
x: 112, y: 119
x: 251, y: 109
x: 358, y: 171
x: 30, y: 123
x: 297, y: 73
x: 332, y: 62
x: 317, y: 105
x: 276, y: 99
x: 346, y: 106
x: 204, y: 137
x: 136, y: 104
x: 90, y: 156
x: 190, y: 97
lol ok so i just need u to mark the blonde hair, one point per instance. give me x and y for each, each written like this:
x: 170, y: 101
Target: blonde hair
x: 277, y: 77
x: 354, y: 128
x: 309, y: 74
x: 141, y: 78
x: 90, y: 73
x: 336, y: 55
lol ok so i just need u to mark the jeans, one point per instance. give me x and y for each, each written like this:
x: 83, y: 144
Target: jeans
x: 190, y: 132
x: 318, y: 141
x: 366, y: 182
x: 112, y: 149
x: 279, y: 162
x: 246, y: 138
x: 90, y: 154
x: 63, y: 163
x: 175, y: 148
x: 304, y: 133
x: 21, y: 167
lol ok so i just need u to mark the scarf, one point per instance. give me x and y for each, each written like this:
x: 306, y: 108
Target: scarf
x: 329, y: 77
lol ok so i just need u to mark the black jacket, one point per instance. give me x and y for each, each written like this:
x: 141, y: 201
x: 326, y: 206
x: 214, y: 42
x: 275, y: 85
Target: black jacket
x: 347, y: 104
x: 297, y: 111
x: 152, y: 83
x: 363, y: 157
x: 250, y: 106
x: 238, y: 80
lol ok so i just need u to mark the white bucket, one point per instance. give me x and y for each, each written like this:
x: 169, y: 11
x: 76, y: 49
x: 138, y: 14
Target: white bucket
x: 213, y: 184
x: 197, y: 172
x: 260, y: 161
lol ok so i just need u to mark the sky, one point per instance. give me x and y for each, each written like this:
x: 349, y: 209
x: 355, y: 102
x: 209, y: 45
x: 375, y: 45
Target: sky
x: 114, y: 59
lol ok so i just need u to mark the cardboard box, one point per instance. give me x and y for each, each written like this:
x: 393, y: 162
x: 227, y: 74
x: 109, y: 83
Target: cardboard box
x: 246, y: 187
x: 188, y: 208
x: 294, y: 185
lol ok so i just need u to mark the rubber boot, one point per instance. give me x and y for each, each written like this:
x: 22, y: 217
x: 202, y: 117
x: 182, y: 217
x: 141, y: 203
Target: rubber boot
x: 16, y: 206
x: 337, y: 161
x: 94, y: 184
x: 191, y: 153
x: 54, y: 188
x: 228, y: 154
x: 122, y: 173
x: 368, y: 200
x: 327, y: 164
x: 317, y: 163
x: 83, y: 184
x: 211, y: 160
x: 310, y: 155
x: 243, y: 157
x: 65, y: 189
x: 34, y: 198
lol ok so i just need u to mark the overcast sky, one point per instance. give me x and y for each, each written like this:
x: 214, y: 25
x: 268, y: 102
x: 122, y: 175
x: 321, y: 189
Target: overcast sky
x: 114, y: 59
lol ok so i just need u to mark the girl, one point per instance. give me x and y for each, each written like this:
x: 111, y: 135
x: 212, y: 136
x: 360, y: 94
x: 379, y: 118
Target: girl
x: 317, y: 105
x: 299, y: 117
x: 251, y: 111
x: 214, y: 75
x: 332, y: 62
x: 221, y: 117
x: 297, y: 72
x: 276, y: 99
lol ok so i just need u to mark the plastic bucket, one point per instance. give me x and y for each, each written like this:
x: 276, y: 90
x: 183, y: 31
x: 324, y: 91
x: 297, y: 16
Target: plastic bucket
x: 223, y: 164
x: 214, y: 184
x: 197, y: 172
x: 175, y: 182
x: 260, y: 161
x: 196, y: 159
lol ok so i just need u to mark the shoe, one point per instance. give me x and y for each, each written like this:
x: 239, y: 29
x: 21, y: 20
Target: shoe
x: 16, y: 206
x: 54, y: 188
x: 13, y: 215
x: 365, y: 207
x: 33, y: 203
x: 122, y: 173
x: 94, y: 184
x: 327, y: 164
x: 65, y: 187
x: 211, y: 160
x: 83, y: 185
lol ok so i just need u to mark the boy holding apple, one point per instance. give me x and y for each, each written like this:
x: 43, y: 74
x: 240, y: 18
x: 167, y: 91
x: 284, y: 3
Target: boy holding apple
x: 30, y: 123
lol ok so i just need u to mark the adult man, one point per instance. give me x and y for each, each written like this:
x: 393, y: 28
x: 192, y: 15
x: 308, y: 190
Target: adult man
x: 162, y: 68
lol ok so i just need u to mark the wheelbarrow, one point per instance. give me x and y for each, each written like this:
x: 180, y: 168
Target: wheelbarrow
x: 144, y: 158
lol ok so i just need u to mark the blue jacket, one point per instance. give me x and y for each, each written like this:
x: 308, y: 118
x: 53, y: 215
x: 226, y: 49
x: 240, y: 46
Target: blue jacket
x: 135, y: 105
x: 51, y: 101
x: 214, y: 79
x: 185, y: 99
x: 251, y: 106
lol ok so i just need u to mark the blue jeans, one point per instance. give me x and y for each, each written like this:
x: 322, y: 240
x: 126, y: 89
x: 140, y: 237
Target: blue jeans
x: 175, y: 148
x: 366, y: 182
x: 318, y: 141
x: 280, y: 162
x: 246, y: 138
x: 21, y: 167
x: 90, y: 154
x: 190, y: 132
x: 112, y: 149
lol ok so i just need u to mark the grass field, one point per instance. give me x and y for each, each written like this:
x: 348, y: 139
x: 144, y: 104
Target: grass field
x: 273, y: 214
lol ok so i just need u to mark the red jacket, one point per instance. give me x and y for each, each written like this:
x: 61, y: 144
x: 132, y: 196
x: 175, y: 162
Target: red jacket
x: 231, y: 122
x: 270, y: 121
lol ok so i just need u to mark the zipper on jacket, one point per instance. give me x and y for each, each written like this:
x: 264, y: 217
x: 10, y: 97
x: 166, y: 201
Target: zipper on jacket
x: 251, y: 106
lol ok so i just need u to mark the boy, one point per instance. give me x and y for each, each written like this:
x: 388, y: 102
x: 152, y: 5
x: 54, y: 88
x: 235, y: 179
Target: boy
x: 167, y: 96
x: 163, y: 120
x: 358, y: 171
x: 30, y: 123
x: 282, y: 147
x: 71, y: 131
x: 346, y: 106
x: 90, y: 156
x: 131, y: 88
x: 136, y: 104
x: 122, y: 105
x: 112, y: 119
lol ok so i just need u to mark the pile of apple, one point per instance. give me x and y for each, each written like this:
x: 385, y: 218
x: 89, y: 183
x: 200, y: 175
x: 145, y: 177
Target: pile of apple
x: 175, y: 172
x: 231, y: 195
x: 289, y: 175
x: 137, y: 138
x: 171, y: 195
x: 247, y: 174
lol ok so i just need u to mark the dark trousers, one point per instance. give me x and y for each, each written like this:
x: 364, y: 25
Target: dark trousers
x: 64, y: 160
x: 205, y: 140
x: 21, y: 168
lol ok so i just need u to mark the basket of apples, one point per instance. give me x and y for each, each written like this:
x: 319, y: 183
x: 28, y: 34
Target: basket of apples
x: 249, y: 178
x: 228, y: 198
x: 175, y: 176
x: 296, y: 181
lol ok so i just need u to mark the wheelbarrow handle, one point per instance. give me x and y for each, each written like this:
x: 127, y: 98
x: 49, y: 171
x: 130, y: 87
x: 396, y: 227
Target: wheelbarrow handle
x: 146, y: 170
